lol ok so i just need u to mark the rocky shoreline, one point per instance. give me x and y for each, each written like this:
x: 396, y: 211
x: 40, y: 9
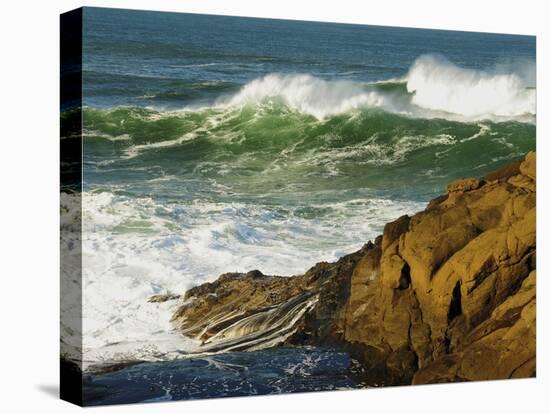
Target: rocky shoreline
x: 445, y: 295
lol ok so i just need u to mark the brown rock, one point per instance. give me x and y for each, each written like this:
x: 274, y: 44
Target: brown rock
x: 502, y: 346
x: 394, y: 229
x: 251, y: 310
x: 505, y: 172
x: 464, y: 184
x: 464, y: 257
x: 163, y: 298
x: 529, y: 166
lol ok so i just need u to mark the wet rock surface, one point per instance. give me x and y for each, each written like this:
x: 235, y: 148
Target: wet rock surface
x: 248, y: 311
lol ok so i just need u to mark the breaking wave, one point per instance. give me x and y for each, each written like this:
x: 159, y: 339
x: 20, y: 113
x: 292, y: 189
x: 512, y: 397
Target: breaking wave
x: 433, y: 87
x: 438, y: 84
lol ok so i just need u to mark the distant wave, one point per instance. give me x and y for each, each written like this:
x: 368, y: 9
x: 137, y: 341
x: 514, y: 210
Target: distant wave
x: 433, y: 87
x: 438, y: 84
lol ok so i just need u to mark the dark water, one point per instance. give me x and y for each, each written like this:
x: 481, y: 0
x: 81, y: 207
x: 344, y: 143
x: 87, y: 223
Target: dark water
x: 274, y: 371
x: 216, y: 144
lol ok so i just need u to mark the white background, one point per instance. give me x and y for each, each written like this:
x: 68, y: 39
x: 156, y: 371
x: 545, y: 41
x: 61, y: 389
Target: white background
x: 29, y: 257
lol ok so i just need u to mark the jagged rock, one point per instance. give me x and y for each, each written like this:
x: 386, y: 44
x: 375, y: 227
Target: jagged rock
x: 252, y: 310
x: 528, y: 167
x: 445, y: 295
x: 463, y: 257
x: 464, y: 184
x: 163, y: 298
x: 502, y: 346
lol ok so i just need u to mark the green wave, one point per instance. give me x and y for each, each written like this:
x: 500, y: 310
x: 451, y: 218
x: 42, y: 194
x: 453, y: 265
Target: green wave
x: 271, y: 146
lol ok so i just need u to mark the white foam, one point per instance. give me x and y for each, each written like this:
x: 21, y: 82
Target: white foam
x: 135, y: 248
x: 437, y: 88
x: 440, y: 85
x: 309, y: 94
x: 376, y: 153
x: 118, y: 323
x: 135, y: 150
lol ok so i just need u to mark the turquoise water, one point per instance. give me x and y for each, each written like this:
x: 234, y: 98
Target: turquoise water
x: 216, y: 144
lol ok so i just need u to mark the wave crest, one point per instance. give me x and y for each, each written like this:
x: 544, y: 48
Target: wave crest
x: 438, y: 84
x: 433, y: 87
x: 309, y: 94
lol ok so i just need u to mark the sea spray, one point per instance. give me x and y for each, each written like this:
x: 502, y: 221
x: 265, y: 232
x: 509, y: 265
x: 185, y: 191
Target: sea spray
x: 440, y: 85
x: 136, y: 248
x: 433, y: 87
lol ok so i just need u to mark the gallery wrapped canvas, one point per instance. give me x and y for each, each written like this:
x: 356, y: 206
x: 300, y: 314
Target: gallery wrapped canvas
x: 258, y: 206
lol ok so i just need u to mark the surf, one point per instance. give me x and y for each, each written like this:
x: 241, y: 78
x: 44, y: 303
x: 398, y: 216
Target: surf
x: 433, y: 87
x: 437, y: 84
x: 173, y: 239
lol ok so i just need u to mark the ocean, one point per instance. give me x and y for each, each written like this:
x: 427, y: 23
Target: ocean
x: 218, y: 144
